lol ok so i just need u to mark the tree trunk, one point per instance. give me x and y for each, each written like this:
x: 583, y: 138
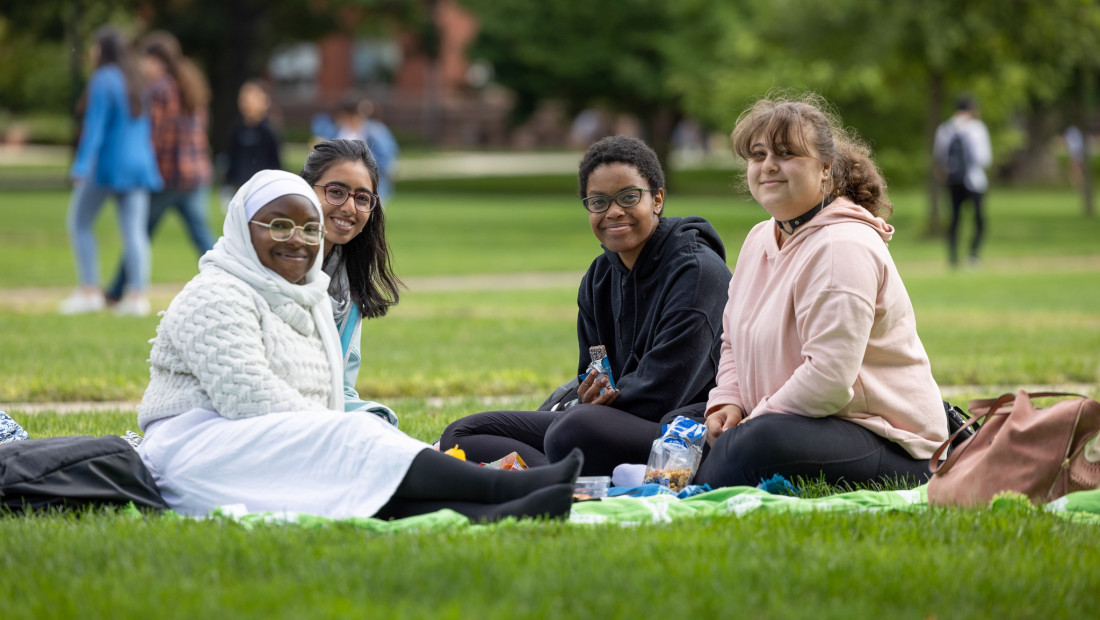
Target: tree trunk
x: 660, y: 125
x: 1035, y: 162
x: 932, y: 183
x: 236, y: 62
x: 1085, y: 123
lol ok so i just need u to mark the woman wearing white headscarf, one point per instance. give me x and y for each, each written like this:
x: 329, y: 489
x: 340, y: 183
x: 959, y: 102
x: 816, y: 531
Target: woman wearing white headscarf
x: 245, y: 401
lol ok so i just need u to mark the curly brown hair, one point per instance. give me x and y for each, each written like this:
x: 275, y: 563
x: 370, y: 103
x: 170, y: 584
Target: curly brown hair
x: 807, y: 126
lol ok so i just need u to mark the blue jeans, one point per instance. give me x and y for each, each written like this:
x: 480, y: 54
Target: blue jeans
x: 133, y: 215
x: 193, y: 207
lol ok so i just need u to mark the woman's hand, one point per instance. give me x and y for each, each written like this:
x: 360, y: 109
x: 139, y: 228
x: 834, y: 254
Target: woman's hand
x: 721, y: 420
x: 589, y: 390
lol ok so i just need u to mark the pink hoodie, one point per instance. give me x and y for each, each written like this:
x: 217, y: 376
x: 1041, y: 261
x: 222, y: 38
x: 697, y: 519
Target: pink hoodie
x: 823, y: 327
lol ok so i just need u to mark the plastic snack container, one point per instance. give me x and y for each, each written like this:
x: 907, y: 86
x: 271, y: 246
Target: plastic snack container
x: 591, y: 487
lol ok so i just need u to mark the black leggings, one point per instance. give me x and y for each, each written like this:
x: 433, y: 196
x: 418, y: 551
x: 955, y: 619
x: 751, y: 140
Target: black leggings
x: 607, y: 436
x: 959, y: 195
x: 801, y: 446
x: 435, y: 481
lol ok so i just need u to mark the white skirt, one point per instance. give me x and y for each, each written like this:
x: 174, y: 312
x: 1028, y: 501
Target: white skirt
x: 327, y: 463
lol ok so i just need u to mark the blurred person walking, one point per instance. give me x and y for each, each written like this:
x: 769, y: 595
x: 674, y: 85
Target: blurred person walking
x: 1075, y: 155
x: 962, y: 152
x: 179, y: 97
x: 114, y: 157
x: 353, y: 121
x: 254, y: 144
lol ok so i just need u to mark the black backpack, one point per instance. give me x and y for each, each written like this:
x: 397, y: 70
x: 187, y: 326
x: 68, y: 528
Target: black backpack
x: 72, y: 472
x: 958, y: 159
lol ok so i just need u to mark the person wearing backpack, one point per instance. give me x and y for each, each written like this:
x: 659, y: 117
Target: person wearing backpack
x: 962, y: 152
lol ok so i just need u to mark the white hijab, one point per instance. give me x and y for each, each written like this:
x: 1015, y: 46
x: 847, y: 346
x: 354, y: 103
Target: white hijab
x: 235, y: 253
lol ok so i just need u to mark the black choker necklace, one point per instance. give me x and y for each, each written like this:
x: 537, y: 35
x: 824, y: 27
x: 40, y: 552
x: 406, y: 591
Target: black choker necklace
x: 789, y: 226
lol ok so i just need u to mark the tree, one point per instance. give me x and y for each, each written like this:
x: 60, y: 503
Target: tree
x: 44, y: 50
x: 583, y: 53
x: 230, y: 40
x: 890, y: 67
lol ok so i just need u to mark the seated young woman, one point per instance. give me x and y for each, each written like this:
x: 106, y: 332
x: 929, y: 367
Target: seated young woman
x: 245, y: 402
x: 822, y: 371
x: 362, y: 284
x: 653, y: 299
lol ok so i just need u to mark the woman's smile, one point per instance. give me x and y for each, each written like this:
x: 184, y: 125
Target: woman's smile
x: 291, y: 255
x: 341, y: 224
x: 618, y: 227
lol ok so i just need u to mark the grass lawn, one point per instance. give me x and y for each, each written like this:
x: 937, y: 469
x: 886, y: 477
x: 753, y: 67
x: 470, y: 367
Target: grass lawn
x: 1029, y: 315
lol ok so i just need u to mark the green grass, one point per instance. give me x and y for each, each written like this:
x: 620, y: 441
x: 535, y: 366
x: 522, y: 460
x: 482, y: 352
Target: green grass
x: 940, y: 564
x: 1028, y: 316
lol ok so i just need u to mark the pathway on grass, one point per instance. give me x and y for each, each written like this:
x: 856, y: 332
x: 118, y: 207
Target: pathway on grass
x: 47, y: 298
x: 949, y: 392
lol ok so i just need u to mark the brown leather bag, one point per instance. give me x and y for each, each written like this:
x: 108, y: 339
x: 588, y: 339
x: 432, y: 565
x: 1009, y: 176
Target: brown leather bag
x: 1042, y: 453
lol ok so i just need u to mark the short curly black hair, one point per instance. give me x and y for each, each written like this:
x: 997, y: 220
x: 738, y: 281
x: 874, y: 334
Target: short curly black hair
x: 621, y: 150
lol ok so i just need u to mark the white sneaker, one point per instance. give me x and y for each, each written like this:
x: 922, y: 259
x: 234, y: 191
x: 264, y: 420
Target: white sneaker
x: 82, y: 303
x: 133, y: 305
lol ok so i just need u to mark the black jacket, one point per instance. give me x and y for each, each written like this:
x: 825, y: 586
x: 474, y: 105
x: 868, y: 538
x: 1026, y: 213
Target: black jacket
x: 252, y: 149
x: 661, y: 321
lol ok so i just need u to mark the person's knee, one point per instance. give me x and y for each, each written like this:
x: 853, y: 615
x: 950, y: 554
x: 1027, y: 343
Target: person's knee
x: 749, y: 443
x: 740, y: 454
x: 462, y: 427
x: 577, y: 428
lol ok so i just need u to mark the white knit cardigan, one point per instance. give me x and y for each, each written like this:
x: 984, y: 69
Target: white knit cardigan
x: 222, y: 347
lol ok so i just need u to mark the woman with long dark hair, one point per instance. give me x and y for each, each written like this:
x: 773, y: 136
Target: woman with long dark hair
x: 114, y: 157
x: 344, y: 175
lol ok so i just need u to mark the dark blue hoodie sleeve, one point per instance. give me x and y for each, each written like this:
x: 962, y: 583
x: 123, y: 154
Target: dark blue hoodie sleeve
x: 680, y: 361
x: 587, y: 331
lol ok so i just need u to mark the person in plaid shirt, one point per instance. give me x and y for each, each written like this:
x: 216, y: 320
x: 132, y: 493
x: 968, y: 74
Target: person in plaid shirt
x: 179, y: 96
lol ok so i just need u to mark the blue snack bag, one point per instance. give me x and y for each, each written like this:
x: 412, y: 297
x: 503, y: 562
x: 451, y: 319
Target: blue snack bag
x: 600, y: 364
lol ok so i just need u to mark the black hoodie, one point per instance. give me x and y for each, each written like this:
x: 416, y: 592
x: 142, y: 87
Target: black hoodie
x: 661, y: 321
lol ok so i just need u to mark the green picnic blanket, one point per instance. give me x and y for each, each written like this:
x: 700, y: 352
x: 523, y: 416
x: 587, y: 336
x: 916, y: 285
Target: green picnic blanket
x: 737, y: 501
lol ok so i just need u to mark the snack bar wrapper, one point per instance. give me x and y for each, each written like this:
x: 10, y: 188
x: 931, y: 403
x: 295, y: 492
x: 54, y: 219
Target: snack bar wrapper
x: 599, y: 363
x: 675, y: 455
x: 511, y: 462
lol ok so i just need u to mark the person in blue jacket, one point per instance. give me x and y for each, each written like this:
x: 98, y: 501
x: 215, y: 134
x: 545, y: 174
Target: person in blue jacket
x: 114, y: 157
x: 344, y: 175
x: 354, y: 120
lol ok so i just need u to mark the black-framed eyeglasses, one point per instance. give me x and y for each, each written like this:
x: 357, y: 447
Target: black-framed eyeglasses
x: 337, y: 195
x: 629, y: 197
x: 282, y: 229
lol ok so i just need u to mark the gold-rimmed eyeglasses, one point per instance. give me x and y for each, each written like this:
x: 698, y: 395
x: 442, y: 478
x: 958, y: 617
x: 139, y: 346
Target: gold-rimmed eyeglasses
x: 282, y: 229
